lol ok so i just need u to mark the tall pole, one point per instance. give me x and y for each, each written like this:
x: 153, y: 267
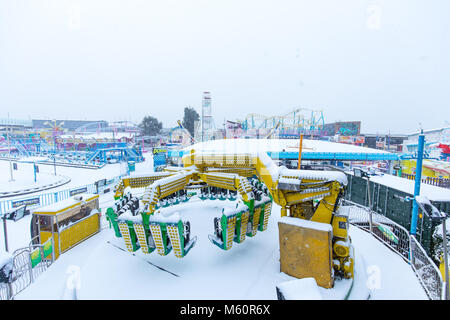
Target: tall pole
x: 300, y: 147
x: 415, y: 209
x: 203, y: 122
x: 9, y: 150
x: 444, y: 234
x: 389, y: 140
x: 370, y: 204
x: 5, y: 232
x: 54, y: 153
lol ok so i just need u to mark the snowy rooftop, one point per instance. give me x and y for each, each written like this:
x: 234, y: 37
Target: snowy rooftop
x: 61, y: 205
x: 433, y: 193
x: 100, y: 135
x: 278, y: 145
x: 306, y: 224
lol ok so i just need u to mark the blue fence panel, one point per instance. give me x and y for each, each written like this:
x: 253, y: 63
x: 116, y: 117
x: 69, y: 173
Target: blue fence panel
x: 46, y: 199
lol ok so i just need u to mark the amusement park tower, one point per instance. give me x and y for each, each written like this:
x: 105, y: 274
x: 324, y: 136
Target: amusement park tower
x: 207, y: 120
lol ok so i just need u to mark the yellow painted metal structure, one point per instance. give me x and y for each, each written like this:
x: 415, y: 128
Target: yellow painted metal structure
x: 180, y: 179
x: 295, y: 191
x: 123, y: 227
x: 141, y: 236
x: 296, y: 201
x: 306, y: 252
x: 69, y: 222
x: 139, y: 182
x: 300, y: 146
x: 158, y: 238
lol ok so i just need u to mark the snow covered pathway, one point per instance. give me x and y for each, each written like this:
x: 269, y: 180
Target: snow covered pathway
x: 248, y: 271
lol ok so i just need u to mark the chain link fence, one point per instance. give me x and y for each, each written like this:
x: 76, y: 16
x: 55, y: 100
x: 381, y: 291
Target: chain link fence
x: 398, y: 239
x: 425, y: 269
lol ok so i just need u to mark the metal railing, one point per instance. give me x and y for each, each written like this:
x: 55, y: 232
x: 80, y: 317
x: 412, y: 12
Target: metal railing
x: 45, y: 199
x: 398, y: 239
x: 23, y: 273
x: 387, y: 231
x: 439, y: 182
x: 427, y: 272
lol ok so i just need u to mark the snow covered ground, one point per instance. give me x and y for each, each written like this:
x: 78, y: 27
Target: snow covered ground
x: 24, y: 176
x: 248, y: 271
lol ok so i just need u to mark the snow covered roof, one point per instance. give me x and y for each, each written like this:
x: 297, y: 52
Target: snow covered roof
x: 433, y: 193
x: 306, y: 224
x: 100, y: 135
x: 65, y: 204
x: 288, y: 149
x: 278, y: 145
x: 429, y: 131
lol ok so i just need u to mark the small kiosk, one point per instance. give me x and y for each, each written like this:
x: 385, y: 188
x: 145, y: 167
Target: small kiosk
x: 67, y: 222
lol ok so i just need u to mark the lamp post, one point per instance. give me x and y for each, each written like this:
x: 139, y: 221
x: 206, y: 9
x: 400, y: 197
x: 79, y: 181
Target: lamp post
x: 300, y: 147
x: 54, y: 154
x: 9, y: 150
x: 54, y: 127
x: 444, y: 242
x: 415, y: 209
x: 5, y: 232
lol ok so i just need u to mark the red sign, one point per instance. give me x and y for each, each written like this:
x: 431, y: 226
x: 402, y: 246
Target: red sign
x: 360, y: 140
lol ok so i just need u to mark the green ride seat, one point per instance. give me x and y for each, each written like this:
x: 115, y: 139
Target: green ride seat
x: 129, y: 235
x: 179, y: 235
x: 241, y: 226
x: 160, y: 237
x: 111, y: 216
x: 224, y: 230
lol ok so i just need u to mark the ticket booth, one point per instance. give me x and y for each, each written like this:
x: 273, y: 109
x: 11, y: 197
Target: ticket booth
x: 67, y: 222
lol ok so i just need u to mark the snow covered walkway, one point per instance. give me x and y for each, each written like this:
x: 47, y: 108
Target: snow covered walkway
x: 248, y: 271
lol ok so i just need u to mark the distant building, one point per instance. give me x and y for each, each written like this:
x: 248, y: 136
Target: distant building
x: 70, y: 125
x: 7, y: 124
x: 343, y: 128
x: 393, y: 143
x: 435, y: 139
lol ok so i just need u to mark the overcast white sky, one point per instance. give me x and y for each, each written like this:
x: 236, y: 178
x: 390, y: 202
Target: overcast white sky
x: 386, y: 63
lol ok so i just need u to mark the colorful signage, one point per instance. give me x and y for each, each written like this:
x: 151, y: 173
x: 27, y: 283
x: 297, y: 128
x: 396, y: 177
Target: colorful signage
x: 28, y: 202
x: 78, y: 191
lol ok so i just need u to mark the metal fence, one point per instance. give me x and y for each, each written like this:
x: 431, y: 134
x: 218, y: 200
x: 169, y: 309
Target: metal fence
x: 395, y: 205
x: 427, y: 272
x: 398, y: 239
x: 23, y: 273
x: 45, y: 199
x: 440, y: 182
x: 387, y: 231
